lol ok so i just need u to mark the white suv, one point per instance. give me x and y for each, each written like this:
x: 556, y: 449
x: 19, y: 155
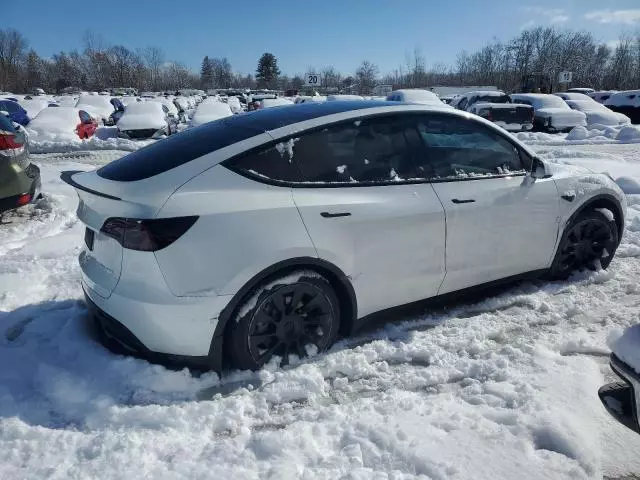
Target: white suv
x: 269, y: 234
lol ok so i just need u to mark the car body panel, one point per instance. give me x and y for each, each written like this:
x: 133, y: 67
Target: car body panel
x: 232, y: 210
x: 391, y: 244
x: 509, y: 228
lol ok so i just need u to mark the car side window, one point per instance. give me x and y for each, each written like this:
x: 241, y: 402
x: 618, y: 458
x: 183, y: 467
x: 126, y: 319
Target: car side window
x: 457, y: 148
x: 9, y: 107
x: 358, y: 151
x: 354, y: 152
x: 273, y: 163
x: 462, y: 104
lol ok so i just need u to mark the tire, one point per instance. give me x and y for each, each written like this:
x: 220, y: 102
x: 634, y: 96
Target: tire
x: 266, y: 325
x: 590, y: 238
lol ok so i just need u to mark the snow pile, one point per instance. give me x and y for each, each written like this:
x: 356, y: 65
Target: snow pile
x: 629, y: 134
x: 105, y: 138
x: 626, y: 346
x: 593, y: 134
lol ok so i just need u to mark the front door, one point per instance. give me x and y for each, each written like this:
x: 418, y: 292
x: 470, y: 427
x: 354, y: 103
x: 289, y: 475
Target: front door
x: 365, y: 216
x: 499, y: 222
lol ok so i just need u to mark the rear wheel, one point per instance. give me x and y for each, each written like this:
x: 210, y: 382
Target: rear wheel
x: 293, y: 315
x: 589, y: 241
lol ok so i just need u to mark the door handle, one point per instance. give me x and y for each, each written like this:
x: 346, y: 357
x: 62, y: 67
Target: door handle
x: 335, y: 215
x: 465, y: 200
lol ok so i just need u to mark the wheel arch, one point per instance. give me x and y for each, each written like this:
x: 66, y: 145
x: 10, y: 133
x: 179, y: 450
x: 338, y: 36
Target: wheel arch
x: 336, y: 277
x: 603, y: 200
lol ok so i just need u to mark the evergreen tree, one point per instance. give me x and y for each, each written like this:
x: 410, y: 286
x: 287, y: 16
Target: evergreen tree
x: 267, y: 72
x: 206, y: 73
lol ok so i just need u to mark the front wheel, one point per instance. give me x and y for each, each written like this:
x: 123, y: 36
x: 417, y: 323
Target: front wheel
x: 589, y: 241
x: 297, y: 314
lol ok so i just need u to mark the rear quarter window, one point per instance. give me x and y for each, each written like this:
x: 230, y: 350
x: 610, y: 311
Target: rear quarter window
x: 174, y: 151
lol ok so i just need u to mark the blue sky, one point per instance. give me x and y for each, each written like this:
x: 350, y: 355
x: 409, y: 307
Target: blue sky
x: 301, y: 34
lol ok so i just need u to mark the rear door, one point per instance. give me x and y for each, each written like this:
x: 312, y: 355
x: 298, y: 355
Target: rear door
x: 499, y: 222
x: 364, y: 214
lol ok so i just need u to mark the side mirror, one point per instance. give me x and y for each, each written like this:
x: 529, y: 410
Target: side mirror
x: 538, y: 169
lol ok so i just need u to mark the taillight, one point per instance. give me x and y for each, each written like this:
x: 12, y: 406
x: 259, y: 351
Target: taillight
x: 147, y: 235
x: 8, y: 141
x: 489, y: 116
x: 24, y: 199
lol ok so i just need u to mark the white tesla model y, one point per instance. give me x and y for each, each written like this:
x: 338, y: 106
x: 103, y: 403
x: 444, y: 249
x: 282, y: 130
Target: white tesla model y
x: 270, y: 233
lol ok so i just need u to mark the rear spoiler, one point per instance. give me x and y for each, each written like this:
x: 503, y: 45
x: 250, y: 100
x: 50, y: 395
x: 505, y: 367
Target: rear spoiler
x: 66, y: 178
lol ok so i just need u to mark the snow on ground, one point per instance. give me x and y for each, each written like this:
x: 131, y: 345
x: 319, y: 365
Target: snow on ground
x: 503, y: 387
x: 594, y: 134
x: 105, y: 138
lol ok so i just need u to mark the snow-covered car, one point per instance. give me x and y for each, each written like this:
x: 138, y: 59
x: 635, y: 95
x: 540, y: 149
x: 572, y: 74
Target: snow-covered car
x: 341, y: 97
x: 264, y: 235
x: 98, y: 106
x: 497, y: 107
x: 513, y: 117
x: 415, y: 95
x: 551, y: 113
x: 626, y: 102
x: 146, y: 120
x: 583, y: 90
x: 167, y: 102
x: 573, y: 96
x: 210, y: 110
x: 274, y: 102
x: 598, y: 114
x: 66, y: 100
x: 33, y: 106
x: 602, y: 96
x: 622, y: 399
x: 310, y: 98
x: 234, y: 104
x: 62, y: 123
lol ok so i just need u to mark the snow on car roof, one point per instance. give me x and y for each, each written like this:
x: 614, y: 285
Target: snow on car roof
x: 486, y: 93
x: 624, y: 98
x: 55, y: 120
x: 542, y: 100
x: 140, y: 108
x: 275, y: 102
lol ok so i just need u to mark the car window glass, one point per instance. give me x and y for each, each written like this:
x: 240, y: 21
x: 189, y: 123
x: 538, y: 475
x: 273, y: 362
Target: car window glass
x: 9, y: 107
x: 273, y: 163
x: 462, y: 104
x: 458, y: 148
x: 358, y: 151
x: 6, y: 124
x: 369, y: 150
x: 84, y: 117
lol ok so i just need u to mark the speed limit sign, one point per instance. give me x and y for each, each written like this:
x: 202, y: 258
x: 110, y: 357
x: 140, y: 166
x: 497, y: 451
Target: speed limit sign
x: 312, y: 80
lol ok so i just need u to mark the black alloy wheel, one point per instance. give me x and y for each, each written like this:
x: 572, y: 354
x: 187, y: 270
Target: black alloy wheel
x: 590, y: 238
x: 298, y: 318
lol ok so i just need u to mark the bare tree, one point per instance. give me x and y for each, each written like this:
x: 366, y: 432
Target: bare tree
x: 366, y: 75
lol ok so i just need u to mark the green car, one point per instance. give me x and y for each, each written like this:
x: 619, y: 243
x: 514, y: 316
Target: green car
x: 19, y: 178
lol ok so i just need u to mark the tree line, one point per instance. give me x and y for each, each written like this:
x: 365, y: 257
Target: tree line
x: 540, y: 51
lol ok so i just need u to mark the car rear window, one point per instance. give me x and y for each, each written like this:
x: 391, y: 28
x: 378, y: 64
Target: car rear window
x: 5, y: 124
x: 174, y: 151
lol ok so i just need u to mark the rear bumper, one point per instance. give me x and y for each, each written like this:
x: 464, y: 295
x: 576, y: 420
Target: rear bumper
x: 120, y: 340
x: 622, y: 399
x: 27, y: 182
